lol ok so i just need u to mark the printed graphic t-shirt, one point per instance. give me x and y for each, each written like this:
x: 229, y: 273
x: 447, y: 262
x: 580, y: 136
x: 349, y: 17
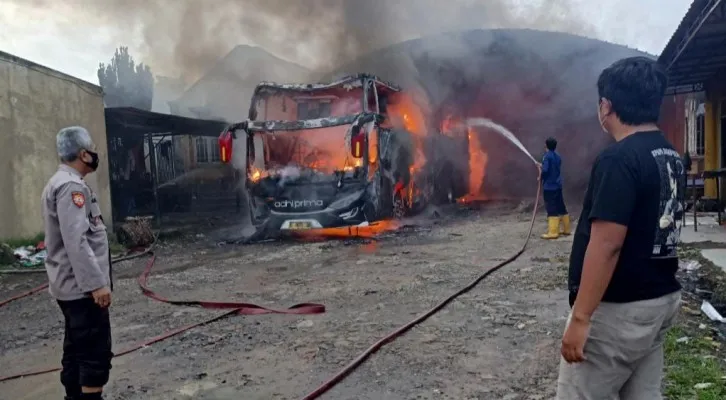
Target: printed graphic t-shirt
x: 638, y: 182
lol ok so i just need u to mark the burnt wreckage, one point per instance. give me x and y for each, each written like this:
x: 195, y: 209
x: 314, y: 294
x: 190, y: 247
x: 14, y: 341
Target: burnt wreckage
x: 331, y: 155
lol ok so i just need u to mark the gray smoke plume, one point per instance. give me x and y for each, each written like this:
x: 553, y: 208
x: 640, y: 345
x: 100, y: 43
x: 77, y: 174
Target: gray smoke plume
x: 536, y: 84
x: 185, y: 37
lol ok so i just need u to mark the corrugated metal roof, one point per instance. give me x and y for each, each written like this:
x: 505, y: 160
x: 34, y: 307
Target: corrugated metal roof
x: 129, y: 121
x: 696, y: 8
x: 697, y: 50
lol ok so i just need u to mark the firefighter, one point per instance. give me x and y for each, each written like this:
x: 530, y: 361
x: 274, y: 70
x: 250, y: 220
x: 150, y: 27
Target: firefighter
x: 78, y: 266
x: 550, y: 175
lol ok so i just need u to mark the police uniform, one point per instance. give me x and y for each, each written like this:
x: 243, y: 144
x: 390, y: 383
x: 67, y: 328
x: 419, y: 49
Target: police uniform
x: 78, y: 263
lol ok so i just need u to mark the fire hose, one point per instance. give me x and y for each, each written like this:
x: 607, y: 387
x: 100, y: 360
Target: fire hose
x: 235, y: 308
x: 44, y: 286
x: 238, y: 308
x: 353, y: 365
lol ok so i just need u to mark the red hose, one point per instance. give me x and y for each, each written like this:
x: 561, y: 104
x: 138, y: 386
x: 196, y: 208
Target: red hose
x: 238, y: 308
x: 337, y: 378
x: 233, y: 307
x: 304, y: 308
x: 25, y: 294
x: 138, y: 346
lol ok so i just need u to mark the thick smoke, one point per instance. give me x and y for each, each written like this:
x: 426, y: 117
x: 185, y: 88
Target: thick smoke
x: 536, y: 84
x: 184, y: 38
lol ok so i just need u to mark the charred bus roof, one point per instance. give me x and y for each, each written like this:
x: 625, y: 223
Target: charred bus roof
x: 350, y: 81
x: 295, y: 125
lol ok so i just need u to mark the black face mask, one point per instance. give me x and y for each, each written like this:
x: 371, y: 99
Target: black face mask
x: 93, y: 164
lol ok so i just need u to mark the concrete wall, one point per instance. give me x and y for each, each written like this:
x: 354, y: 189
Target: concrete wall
x: 35, y: 103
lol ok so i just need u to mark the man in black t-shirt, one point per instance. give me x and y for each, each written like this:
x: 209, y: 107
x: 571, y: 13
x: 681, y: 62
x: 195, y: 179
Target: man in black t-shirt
x: 623, y: 290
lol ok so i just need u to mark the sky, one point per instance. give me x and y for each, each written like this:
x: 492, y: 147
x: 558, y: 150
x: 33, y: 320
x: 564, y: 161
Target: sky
x: 71, y: 40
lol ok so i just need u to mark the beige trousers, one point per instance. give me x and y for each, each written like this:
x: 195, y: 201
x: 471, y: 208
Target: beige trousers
x: 624, y: 352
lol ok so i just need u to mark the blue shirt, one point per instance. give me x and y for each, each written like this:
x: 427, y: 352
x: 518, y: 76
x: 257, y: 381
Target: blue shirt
x: 551, y: 177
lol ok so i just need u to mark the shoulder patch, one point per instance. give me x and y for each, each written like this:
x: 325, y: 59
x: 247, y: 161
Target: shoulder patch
x: 78, y: 199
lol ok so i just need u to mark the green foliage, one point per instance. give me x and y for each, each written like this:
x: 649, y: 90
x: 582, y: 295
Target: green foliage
x: 690, y: 363
x: 125, y: 83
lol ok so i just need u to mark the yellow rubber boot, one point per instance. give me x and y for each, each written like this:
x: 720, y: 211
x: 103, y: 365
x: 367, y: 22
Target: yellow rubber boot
x: 553, y: 228
x: 565, y: 219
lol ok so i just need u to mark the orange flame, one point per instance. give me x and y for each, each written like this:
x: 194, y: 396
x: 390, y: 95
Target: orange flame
x: 321, y: 149
x: 255, y: 174
x: 478, y: 160
x: 372, y: 230
x: 357, y: 163
x: 406, y: 112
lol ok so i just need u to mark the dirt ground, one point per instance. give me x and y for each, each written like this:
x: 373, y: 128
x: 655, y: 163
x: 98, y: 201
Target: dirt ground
x: 499, y: 341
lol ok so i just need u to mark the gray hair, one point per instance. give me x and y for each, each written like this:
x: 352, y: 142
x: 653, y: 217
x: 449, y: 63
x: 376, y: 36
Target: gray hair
x: 70, y: 141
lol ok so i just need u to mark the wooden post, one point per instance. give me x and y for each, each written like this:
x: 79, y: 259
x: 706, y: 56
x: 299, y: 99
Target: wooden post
x: 710, y: 148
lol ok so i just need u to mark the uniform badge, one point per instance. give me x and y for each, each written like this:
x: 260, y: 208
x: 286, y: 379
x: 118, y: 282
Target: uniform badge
x: 78, y: 199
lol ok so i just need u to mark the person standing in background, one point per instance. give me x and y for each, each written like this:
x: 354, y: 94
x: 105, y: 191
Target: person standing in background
x: 551, y: 177
x: 622, y: 278
x: 79, y: 266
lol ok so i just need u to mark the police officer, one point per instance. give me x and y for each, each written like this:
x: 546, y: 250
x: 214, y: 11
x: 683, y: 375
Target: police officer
x: 78, y: 266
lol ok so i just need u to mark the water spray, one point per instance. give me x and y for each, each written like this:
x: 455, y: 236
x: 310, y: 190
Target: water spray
x: 506, y: 133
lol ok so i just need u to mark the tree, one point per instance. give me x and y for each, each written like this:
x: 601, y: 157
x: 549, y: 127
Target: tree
x: 125, y: 83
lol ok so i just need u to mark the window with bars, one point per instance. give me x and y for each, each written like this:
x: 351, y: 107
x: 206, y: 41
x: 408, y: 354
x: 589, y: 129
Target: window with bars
x: 207, y: 150
x: 213, y: 147
x: 202, y: 156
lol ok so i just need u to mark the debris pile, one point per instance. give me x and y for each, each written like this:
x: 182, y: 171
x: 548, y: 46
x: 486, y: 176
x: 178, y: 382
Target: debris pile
x: 135, y: 232
x: 24, y: 256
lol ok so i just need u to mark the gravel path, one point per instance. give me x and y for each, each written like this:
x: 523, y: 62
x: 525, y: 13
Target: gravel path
x: 499, y: 341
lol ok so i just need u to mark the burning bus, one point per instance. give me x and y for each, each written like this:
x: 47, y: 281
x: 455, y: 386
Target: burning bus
x: 345, y: 153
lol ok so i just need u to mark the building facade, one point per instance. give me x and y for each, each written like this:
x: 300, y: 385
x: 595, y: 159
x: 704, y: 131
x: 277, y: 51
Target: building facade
x: 695, y: 58
x: 35, y: 103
